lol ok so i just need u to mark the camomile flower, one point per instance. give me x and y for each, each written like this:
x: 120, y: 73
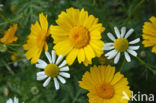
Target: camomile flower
x: 54, y: 70
x: 10, y: 35
x: 1, y: 7
x: 15, y: 100
x: 149, y: 34
x: 105, y: 86
x: 77, y: 35
x: 37, y: 39
x: 121, y: 45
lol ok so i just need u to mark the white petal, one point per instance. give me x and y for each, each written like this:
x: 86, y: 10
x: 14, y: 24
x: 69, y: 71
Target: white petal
x: 117, y: 58
x: 111, y: 37
x: 41, y: 77
x: 53, y: 56
x: 63, y: 81
x: 117, y: 32
x: 57, y: 86
x: 59, y: 59
x: 112, y: 55
x: 62, y: 64
x: 108, y: 47
x: 15, y: 100
x: 41, y: 73
x: 40, y: 61
x: 9, y: 100
x: 66, y: 68
x: 133, y: 47
x: 46, y: 82
x: 123, y: 31
x: 129, y: 33
x: 48, y: 56
x: 111, y: 52
x: 41, y: 66
x: 15, y: 64
x: 127, y: 57
x: 108, y: 53
x: 135, y: 41
x: 66, y: 75
x: 109, y: 44
x: 132, y: 52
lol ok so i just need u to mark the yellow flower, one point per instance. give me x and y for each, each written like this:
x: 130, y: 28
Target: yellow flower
x: 149, y: 34
x: 9, y: 35
x: 15, y: 57
x: 37, y: 39
x: 77, y: 36
x: 104, y: 86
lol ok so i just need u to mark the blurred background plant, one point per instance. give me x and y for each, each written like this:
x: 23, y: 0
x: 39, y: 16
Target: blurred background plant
x: 20, y: 80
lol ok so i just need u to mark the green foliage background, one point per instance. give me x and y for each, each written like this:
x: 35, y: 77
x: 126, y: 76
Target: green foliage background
x: 141, y: 72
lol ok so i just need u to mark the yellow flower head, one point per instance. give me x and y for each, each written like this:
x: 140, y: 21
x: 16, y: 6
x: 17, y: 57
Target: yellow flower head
x: 15, y: 57
x: 149, y: 34
x: 77, y: 36
x: 37, y: 39
x: 104, y: 86
x: 9, y: 35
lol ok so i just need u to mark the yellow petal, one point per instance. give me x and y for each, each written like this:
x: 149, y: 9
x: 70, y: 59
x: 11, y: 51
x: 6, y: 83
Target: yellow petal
x: 109, y: 74
x: 118, y: 76
x: 43, y: 22
x: 61, y: 48
x: 153, y: 20
x: 81, y: 55
x: 72, y: 56
x: 89, y: 52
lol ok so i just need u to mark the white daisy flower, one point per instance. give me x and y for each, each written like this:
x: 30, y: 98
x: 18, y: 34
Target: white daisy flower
x: 15, y: 100
x: 1, y: 7
x: 121, y: 45
x: 54, y: 70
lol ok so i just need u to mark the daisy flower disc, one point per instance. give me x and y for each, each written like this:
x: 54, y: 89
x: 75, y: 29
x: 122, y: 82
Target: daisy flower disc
x: 121, y: 45
x: 105, y: 86
x: 149, y: 34
x: 9, y: 35
x: 37, y: 39
x: 55, y: 70
x: 77, y: 36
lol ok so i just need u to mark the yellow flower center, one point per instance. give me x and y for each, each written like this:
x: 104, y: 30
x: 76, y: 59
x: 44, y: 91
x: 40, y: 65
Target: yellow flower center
x: 51, y: 70
x: 15, y: 57
x: 121, y: 44
x: 105, y: 91
x: 79, y: 36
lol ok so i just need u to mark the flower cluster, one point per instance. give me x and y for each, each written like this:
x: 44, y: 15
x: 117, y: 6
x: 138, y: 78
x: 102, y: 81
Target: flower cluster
x: 77, y: 38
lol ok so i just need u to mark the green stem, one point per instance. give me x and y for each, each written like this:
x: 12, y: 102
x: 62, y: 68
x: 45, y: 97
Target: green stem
x: 8, y: 67
x: 122, y: 66
x: 10, y: 52
x: 94, y: 2
x: 146, y: 65
x: 4, y: 18
x: 11, y: 21
x: 12, y: 48
x: 14, y: 44
x: 9, y: 63
x: 100, y: 3
x: 134, y: 10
